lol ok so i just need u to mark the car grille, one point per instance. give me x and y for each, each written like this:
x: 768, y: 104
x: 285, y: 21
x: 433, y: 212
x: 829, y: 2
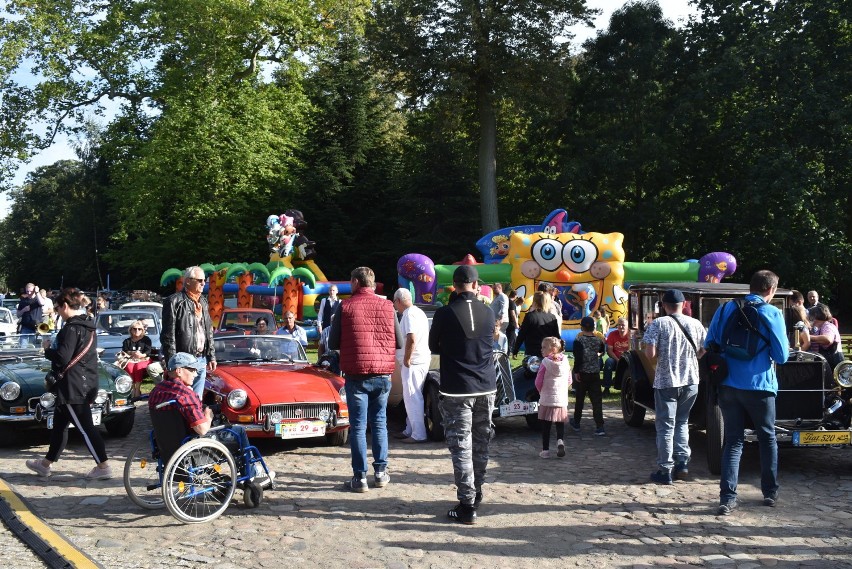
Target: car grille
x: 295, y: 410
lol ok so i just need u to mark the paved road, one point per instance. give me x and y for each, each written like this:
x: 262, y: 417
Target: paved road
x: 590, y: 509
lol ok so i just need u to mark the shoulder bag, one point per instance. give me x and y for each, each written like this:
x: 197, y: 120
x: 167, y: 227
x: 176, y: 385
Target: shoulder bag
x: 52, y: 378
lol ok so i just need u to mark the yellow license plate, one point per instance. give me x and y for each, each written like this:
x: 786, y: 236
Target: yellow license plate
x: 822, y: 438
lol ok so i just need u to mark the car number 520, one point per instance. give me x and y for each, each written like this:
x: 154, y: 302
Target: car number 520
x: 822, y: 438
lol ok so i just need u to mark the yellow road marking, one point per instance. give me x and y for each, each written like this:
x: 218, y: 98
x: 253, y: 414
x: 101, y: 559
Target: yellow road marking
x: 54, y: 539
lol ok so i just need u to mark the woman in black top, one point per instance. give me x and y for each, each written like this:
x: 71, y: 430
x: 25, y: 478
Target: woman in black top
x: 78, y: 386
x: 138, y: 347
x: 539, y: 323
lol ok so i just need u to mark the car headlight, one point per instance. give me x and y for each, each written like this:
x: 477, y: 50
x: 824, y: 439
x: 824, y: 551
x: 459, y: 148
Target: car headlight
x: 102, y: 397
x: 324, y: 415
x: 533, y: 363
x: 47, y: 400
x: 10, y: 391
x: 123, y: 383
x: 843, y: 374
x: 237, y: 399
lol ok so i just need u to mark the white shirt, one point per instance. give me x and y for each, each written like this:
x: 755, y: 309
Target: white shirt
x: 414, y: 321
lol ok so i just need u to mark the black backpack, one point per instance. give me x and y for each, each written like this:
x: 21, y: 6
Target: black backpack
x: 741, y: 338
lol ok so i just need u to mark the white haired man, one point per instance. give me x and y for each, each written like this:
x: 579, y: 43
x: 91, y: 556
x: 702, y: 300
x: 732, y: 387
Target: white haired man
x: 413, y: 358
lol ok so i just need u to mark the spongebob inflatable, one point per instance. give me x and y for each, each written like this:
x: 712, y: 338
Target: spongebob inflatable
x: 587, y: 269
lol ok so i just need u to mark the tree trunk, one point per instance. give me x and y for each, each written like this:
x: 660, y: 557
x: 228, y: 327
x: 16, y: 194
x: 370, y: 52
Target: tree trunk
x: 487, y: 160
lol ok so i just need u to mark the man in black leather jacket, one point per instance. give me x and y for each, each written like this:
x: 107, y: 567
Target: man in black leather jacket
x: 187, y: 326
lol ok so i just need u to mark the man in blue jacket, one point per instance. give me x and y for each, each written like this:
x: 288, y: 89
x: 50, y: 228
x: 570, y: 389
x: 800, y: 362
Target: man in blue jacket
x: 750, y: 390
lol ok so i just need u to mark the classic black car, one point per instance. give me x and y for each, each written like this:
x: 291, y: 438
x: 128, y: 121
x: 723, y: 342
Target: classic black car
x: 25, y: 404
x: 812, y: 407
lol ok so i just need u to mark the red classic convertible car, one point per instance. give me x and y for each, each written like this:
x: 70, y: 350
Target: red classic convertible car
x: 267, y: 385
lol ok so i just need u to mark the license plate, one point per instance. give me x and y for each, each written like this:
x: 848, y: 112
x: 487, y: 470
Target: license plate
x: 96, y: 420
x: 518, y: 407
x: 821, y: 438
x: 301, y: 429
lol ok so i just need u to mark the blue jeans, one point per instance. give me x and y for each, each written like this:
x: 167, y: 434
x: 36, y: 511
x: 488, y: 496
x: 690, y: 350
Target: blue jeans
x: 367, y: 398
x: 608, y: 369
x: 27, y: 337
x: 671, y: 416
x: 735, y: 404
x: 198, y: 382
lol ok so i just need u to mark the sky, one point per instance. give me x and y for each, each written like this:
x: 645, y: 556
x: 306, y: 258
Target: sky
x: 675, y: 10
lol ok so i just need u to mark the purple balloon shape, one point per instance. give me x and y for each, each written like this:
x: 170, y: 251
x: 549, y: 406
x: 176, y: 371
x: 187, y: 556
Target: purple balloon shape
x: 713, y: 267
x: 418, y: 270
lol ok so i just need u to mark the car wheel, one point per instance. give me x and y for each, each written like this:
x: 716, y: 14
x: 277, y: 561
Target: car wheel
x: 122, y: 424
x: 252, y: 495
x: 715, y: 432
x: 633, y: 413
x: 337, y: 438
x: 434, y: 420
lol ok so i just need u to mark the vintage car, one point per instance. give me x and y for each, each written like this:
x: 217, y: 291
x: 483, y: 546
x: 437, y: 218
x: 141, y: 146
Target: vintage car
x: 812, y: 407
x: 144, y: 305
x: 516, y: 392
x: 25, y: 404
x: 266, y: 384
x: 8, y: 325
x: 113, y: 328
x: 242, y: 320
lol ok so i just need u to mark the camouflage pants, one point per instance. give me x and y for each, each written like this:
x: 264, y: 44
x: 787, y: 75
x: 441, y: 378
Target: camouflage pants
x: 467, y: 426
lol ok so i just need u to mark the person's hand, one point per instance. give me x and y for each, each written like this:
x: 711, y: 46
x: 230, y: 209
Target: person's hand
x: 25, y: 309
x: 208, y: 412
x: 45, y: 344
x: 800, y: 326
x: 211, y: 365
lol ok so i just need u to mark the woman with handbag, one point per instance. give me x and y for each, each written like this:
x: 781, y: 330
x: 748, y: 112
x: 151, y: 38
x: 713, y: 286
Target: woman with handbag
x: 74, y: 362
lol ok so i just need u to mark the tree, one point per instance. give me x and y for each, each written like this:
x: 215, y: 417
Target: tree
x: 479, y: 51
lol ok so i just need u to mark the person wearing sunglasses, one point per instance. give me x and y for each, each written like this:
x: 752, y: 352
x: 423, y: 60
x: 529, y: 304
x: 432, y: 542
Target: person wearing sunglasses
x: 187, y: 326
x: 137, y: 347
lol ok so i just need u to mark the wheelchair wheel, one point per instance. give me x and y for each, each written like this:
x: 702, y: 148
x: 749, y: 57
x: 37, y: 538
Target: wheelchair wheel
x: 199, y: 481
x: 253, y: 495
x: 142, y: 479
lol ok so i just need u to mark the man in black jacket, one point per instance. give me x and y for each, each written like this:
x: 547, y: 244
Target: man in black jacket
x: 187, y: 326
x: 461, y: 333
x: 30, y: 314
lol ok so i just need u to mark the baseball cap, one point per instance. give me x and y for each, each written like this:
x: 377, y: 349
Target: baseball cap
x: 465, y: 274
x: 182, y: 359
x: 673, y: 296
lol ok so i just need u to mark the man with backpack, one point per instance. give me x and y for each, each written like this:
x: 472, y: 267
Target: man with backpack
x: 751, y: 336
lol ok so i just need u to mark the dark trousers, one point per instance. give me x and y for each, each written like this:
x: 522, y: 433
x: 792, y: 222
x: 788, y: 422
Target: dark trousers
x: 80, y: 415
x: 545, y: 433
x: 589, y: 383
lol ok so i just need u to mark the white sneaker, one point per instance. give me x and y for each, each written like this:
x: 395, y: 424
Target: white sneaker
x: 36, y: 466
x: 98, y: 473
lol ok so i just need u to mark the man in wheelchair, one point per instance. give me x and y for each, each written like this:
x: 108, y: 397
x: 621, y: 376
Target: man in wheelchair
x: 177, y: 387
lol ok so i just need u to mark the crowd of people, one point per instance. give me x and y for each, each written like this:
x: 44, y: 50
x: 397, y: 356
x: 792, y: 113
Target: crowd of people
x: 374, y: 335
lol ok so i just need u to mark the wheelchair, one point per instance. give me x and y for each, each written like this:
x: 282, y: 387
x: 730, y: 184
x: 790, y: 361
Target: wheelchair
x: 194, y: 477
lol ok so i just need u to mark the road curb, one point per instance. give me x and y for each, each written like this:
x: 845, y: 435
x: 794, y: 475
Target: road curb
x: 50, y: 545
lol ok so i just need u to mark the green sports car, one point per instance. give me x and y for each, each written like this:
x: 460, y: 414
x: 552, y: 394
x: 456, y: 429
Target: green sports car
x: 24, y: 404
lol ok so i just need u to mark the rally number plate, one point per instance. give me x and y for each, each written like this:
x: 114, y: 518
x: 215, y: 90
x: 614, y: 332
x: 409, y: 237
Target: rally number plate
x: 96, y: 420
x: 821, y: 438
x: 300, y: 429
x: 518, y: 407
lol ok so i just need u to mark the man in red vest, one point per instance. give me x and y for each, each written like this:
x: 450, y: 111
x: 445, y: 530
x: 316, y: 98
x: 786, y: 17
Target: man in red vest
x: 365, y: 330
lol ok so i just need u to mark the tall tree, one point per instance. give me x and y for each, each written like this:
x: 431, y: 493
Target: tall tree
x: 479, y: 51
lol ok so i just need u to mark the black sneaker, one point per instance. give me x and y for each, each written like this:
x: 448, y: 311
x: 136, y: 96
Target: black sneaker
x: 661, y: 477
x: 574, y: 425
x: 478, y: 499
x: 463, y: 514
x: 771, y: 500
x: 681, y: 472
x: 726, y: 508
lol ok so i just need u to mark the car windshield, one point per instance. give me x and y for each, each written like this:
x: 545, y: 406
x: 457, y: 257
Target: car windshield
x: 6, y: 317
x: 244, y: 320
x: 119, y: 322
x: 258, y: 348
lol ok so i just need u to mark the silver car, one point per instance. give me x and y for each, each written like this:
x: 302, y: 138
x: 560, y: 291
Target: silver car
x: 113, y: 328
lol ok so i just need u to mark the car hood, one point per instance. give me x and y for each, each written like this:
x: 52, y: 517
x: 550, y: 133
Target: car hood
x: 276, y: 382
x: 30, y: 376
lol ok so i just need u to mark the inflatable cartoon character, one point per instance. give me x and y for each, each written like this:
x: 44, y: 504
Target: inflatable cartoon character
x: 566, y: 260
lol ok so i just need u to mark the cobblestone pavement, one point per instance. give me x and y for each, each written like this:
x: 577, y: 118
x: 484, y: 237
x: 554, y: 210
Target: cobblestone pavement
x: 594, y: 508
